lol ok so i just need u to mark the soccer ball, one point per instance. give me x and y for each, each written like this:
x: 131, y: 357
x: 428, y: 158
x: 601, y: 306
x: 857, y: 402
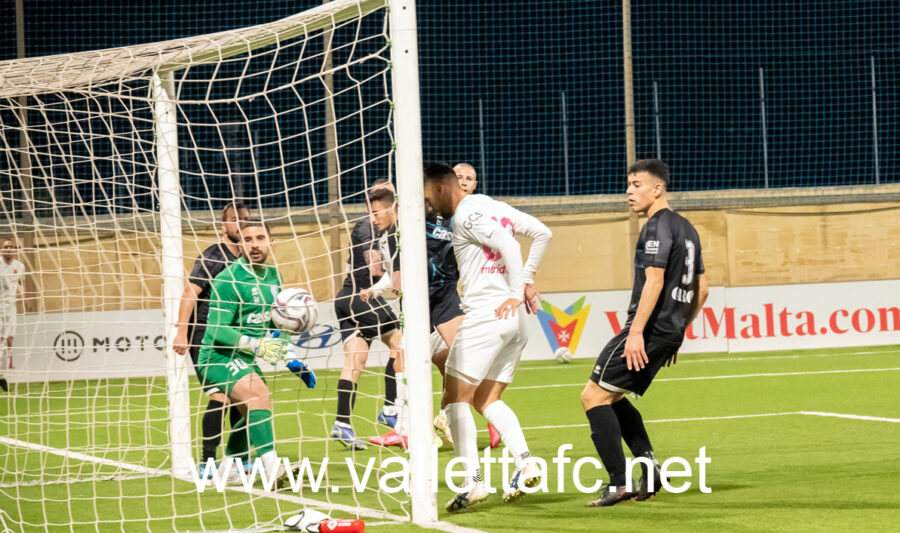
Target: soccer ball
x: 295, y: 311
x: 563, y: 355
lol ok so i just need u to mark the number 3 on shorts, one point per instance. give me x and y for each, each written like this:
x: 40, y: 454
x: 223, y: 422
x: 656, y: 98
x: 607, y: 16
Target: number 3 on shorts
x: 235, y: 365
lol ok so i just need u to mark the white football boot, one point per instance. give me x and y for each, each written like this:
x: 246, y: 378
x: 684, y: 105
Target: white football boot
x: 527, y: 475
x: 464, y: 500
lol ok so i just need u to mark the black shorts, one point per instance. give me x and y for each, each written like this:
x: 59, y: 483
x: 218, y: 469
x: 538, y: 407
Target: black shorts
x: 611, y: 371
x: 444, y: 305
x: 367, y: 320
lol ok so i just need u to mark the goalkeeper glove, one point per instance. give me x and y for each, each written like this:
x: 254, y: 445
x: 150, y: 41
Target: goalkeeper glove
x: 303, y: 372
x: 269, y: 349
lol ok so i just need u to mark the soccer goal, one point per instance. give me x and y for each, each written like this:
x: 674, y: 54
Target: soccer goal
x: 116, y: 167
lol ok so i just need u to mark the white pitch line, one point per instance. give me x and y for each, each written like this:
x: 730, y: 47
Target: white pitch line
x: 724, y: 359
x: 451, y: 528
x: 729, y: 417
x: 851, y: 417
x: 774, y: 374
x: 356, y: 511
x: 695, y: 378
x: 727, y: 376
x: 361, y: 511
x: 732, y: 417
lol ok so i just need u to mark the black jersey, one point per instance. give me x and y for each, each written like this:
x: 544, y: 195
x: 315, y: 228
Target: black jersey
x: 668, y: 241
x: 367, y: 244
x: 442, y: 268
x: 208, y: 265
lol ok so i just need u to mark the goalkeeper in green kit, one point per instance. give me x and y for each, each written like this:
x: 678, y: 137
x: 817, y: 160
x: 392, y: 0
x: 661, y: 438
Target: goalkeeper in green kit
x: 237, y: 332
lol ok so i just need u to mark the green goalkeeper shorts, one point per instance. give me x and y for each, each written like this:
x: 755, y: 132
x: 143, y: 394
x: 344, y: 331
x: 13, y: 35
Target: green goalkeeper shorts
x: 222, y: 372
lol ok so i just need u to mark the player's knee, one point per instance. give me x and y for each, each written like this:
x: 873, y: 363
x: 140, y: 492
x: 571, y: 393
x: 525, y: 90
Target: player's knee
x: 480, y: 404
x: 589, y: 396
x: 260, y: 401
x: 394, y: 340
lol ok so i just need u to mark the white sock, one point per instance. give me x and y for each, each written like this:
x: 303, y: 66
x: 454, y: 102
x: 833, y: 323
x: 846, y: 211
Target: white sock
x: 463, y: 431
x: 507, y: 425
x: 402, y: 403
x: 270, y: 461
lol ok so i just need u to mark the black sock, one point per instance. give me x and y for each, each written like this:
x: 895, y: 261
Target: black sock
x: 390, y: 383
x: 212, y: 430
x: 235, y: 415
x: 632, y: 426
x: 353, y: 396
x: 607, y: 437
x: 345, y: 393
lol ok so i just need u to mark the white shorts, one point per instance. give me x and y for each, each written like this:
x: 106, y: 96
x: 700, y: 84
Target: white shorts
x: 437, y: 342
x: 7, y: 324
x: 487, y: 347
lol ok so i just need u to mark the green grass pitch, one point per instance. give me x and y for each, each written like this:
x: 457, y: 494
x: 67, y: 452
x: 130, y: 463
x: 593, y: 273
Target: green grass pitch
x: 781, y: 460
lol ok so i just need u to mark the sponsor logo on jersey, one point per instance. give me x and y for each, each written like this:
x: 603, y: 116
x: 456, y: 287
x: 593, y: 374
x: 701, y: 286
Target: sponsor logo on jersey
x: 442, y: 234
x: 681, y: 295
x: 563, y: 328
x: 651, y: 247
x: 472, y: 219
x: 259, y: 318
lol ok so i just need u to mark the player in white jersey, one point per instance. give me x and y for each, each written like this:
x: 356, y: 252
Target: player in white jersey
x: 489, y: 342
x: 12, y: 273
x: 468, y: 182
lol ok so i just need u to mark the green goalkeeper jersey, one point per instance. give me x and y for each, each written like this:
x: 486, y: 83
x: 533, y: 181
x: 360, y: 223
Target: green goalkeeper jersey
x: 241, y: 300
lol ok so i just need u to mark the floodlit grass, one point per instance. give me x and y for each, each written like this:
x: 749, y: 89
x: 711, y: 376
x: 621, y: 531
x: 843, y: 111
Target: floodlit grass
x: 788, y: 471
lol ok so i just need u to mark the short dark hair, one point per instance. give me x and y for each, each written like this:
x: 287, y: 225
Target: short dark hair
x: 255, y: 223
x: 380, y: 183
x: 654, y: 167
x: 439, y: 172
x: 237, y: 205
x: 381, y: 194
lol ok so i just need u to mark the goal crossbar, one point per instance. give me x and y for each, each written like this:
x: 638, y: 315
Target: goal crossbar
x: 48, y: 74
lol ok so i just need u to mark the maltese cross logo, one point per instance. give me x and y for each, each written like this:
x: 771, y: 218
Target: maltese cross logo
x: 563, y: 328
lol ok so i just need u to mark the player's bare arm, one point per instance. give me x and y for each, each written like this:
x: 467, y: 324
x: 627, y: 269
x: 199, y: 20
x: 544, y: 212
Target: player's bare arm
x: 20, y: 295
x: 185, y: 310
x: 701, y: 292
x: 532, y: 299
x: 635, y: 356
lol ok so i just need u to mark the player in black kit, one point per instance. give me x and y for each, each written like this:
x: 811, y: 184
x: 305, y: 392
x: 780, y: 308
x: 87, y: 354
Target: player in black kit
x: 364, y: 315
x: 670, y: 287
x: 443, y: 276
x: 192, y: 314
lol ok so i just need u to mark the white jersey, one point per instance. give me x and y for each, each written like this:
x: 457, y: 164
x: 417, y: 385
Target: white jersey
x: 489, y: 258
x: 10, y: 276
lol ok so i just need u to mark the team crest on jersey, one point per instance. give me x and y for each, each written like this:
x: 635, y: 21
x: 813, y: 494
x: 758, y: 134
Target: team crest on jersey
x: 257, y: 297
x: 563, y: 328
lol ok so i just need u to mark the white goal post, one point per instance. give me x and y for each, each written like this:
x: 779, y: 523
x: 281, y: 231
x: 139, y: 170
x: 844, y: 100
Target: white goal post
x: 133, y: 152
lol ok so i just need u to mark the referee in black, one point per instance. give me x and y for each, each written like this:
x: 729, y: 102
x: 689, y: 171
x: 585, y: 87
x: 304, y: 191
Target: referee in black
x: 670, y: 287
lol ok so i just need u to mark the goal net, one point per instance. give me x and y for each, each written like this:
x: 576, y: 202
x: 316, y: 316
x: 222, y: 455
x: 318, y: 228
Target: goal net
x: 115, y: 169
